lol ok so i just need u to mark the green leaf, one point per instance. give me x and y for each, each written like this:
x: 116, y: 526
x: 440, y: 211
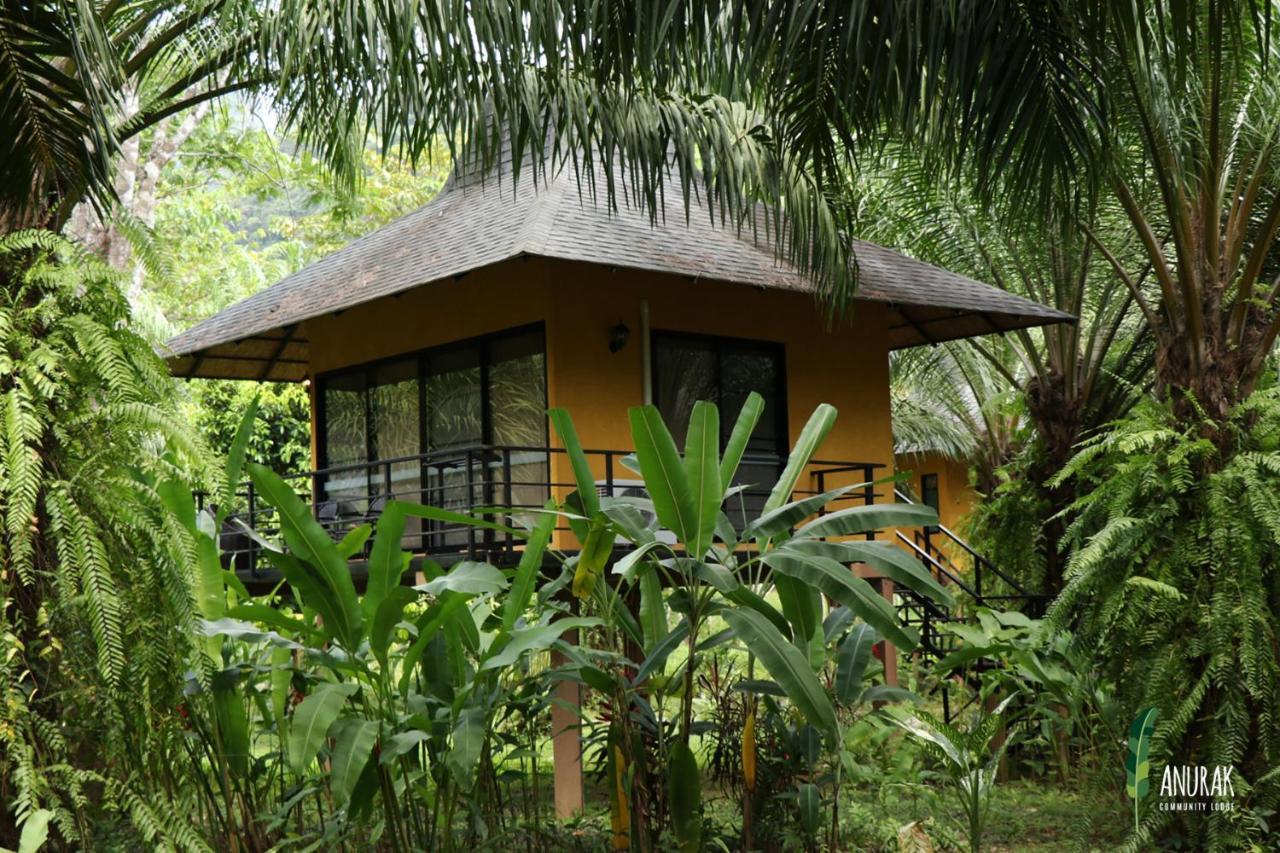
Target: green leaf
x: 787, y: 666
x: 779, y: 521
x: 388, y: 615
x: 236, y: 455
x: 577, y: 461
x: 653, y: 610
x: 311, y: 721
x: 431, y: 513
x: 851, y: 662
x: 35, y: 831
x: 233, y: 725
x: 400, y: 744
x: 281, y: 677
x: 526, y: 576
x: 884, y: 693
x: 802, y: 607
x: 748, y: 417
x: 815, y: 430
x: 354, y: 541
x: 743, y: 596
x: 429, y: 624
x: 810, y: 806
x: 386, y: 560
x: 626, y: 565
x: 469, y: 578
x: 308, y: 542
x: 839, y: 582
x: 702, y: 471
x: 864, y: 519
x: 890, y: 560
x: 246, y: 632
x: 1137, y: 763
x: 657, y: 658
x: 353, y: 745
x: 311, y: 590
x: 536, y: 638
x: 925, y: 732
x: 468, y: 741
x: 684, y: 797
x: 663, y: 472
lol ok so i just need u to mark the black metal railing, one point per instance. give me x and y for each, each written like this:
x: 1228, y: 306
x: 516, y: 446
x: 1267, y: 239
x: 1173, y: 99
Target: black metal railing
x: 984, y: 584
x: 506, y: 483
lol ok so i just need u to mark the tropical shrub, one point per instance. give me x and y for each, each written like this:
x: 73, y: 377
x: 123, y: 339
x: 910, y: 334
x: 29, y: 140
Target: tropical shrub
x: 722, y: 575
x: 409, y: 715
x: 1067, y: 717
x: 970, y: 758
x: 97, y: 613
x: 1174, y: 588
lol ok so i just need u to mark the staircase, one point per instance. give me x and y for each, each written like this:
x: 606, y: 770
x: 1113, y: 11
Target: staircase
x: 985, y: 585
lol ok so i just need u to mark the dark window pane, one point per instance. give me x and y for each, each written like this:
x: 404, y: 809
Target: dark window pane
x: 346, y: 443
x: 453, y: 399
x: 393, y: 405
x: 743, y: 370
x: 685, y: 374
x: 518, y: 390
x: 929, y: 491
x: 345, y: 438
x: 725, y: 372
x: 517, y: 413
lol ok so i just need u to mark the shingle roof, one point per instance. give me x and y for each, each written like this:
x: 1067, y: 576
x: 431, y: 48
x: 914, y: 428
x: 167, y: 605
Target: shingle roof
x: 475, y: 222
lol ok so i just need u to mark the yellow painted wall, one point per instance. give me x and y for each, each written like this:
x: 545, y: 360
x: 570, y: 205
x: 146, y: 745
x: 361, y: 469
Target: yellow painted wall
x: 956, y: 497
x: 846, y: 366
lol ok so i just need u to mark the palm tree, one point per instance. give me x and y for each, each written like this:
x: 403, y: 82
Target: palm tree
x: 1067, y: 381
x: 765, y: 101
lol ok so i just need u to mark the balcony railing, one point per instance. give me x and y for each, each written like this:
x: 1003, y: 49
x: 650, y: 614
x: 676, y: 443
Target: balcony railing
x: 475, y: 480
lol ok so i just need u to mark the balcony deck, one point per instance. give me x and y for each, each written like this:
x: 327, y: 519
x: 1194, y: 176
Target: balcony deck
x: 499, y: 482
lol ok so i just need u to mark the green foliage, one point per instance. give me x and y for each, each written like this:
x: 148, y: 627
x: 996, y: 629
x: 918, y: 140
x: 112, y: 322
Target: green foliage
x: 1174, y: 586
x: 243, y: 208
x: 98, y: 614
x: 970, y: 757
x: 281, y: 437
x: 1067, y: 712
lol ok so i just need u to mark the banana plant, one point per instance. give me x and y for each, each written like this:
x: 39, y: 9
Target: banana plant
x: 793, y: 552
x: 406, y: 683
x: 389, y: 697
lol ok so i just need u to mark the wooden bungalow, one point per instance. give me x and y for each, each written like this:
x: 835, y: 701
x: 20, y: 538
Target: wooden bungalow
x: 432, y: 348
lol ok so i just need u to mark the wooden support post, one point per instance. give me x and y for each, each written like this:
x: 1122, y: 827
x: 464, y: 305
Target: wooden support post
x: 890, y: 651
x: 566, y: 742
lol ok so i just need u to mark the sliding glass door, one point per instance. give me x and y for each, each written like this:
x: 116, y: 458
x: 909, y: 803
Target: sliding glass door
x: 435, y: 427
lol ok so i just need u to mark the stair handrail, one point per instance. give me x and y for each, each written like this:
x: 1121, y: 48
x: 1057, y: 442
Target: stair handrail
x: 978, y: 558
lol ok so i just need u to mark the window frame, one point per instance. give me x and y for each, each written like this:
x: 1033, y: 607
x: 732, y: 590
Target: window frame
x: 420, y: 356
x: 776, y: 350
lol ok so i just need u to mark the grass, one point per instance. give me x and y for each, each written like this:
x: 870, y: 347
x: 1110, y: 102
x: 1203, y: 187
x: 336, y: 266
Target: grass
x: 1035, y: 816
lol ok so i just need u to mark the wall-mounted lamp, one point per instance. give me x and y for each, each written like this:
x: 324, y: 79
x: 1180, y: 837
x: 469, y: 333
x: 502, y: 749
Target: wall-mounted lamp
x: 618, y: 337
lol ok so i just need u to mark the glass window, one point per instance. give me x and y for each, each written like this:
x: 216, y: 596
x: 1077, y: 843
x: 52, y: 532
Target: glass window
x: 684, y: 372
x: 517, y: 385
x: 346, y: 443
x: 453, y: 398
x: 929, y: 491
x: 437, y: 413
x: 345, y: 426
